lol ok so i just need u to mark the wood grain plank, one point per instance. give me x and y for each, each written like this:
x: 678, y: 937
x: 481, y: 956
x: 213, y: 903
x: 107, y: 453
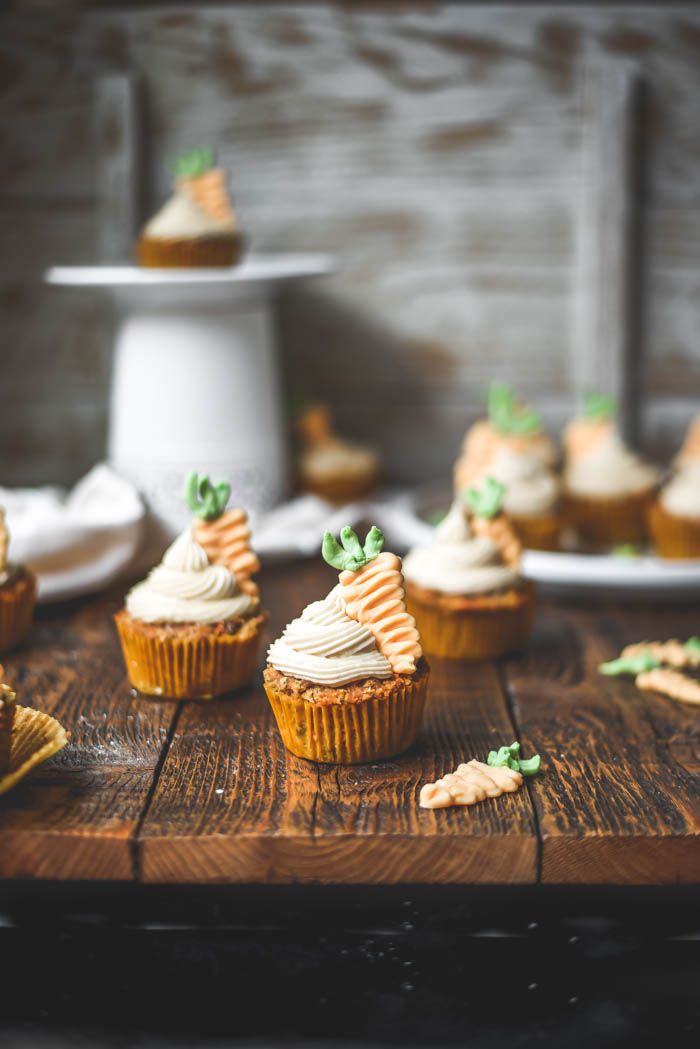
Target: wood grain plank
x: 619, y: 800
x: 231, y: 805
x: 75, y: 816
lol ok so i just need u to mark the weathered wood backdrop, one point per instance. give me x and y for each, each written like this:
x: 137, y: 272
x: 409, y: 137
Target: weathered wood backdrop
x: 436, y: 149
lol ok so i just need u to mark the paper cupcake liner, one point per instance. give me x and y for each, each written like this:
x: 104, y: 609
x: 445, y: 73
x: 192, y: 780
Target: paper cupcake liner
x: 473, y: 633
x: 35, y: 737
x: 351, y: 733
x: 343, y: 489
x: 17, y: 599
x: 539, y: 533
x: 673, y: 537
x: 187, y: 668
x: 605, y: 522
x: 190, y: 253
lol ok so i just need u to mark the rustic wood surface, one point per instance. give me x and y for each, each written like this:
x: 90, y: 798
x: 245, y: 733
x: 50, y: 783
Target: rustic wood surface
x: 203, y: 793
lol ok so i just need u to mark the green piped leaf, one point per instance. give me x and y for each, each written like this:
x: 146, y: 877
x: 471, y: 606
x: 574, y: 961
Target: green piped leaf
x: 693, y: 645
x: 630, y: 664
x: 508, y: 756
x: 598, y: 405
x: 628, y: 551
x: 351, y: 555
x: 192, y: 163
x: 507, y: 413
x: 206, y: 500
x: 485, y: 501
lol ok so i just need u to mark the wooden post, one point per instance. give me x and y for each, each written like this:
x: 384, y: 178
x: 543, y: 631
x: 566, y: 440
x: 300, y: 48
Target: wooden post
x: 118, y: 166
x: 607, y: 302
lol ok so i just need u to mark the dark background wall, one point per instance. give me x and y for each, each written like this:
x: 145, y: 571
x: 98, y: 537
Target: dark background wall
x: 436, y: 149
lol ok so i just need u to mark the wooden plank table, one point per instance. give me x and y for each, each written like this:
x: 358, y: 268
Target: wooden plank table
x: 202, y: 793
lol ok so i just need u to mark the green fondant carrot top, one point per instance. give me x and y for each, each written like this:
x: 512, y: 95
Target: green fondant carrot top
x: 509, y: 756
x: 485, y: 501
x: 507, y: 413
x: 192, y: 163
x: 351, y: 556
x: 598, y: 405
x: 206, y: 500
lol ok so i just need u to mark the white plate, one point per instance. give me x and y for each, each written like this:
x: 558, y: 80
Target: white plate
x: 596, y: 572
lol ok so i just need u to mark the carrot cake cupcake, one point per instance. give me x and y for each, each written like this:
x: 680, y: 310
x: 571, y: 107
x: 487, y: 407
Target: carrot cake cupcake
x: 607, y: 488
x: 511, y: 424
x: 347, y: 680
x: 191, y: 630
x: 197, y: 226
x: 329, y: 466
x: 17, y: 596
x: 673, y: 518
x: 465, y: 589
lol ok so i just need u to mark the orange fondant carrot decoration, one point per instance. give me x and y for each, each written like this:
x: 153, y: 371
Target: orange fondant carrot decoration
x: 490, y: 521
x: 224, y: 534
x: 205, y: 183
x: 373, y: 594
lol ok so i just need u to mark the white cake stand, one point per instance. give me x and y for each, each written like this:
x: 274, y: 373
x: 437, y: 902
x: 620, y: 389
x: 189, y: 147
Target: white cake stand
x: 195, y: 382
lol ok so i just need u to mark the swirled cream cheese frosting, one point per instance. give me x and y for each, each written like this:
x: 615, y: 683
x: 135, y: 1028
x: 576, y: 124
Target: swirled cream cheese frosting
x: 325, y: 646
x: 603, y: 466
x: 458, y: 562
x: 532, y: 488
x: 181, y: 216
x: 681, y: 496
x: 186, y: 588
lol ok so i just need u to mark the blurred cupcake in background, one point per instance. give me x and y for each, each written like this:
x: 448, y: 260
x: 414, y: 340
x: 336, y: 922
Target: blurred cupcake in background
x: 512, y: 448
x: 673, y: 518
x: 465, y: 590
x: 326, y: 464
x: 196, y: 227
x: 607, y: 487
x: 17, y: 596
x: 511, y: 424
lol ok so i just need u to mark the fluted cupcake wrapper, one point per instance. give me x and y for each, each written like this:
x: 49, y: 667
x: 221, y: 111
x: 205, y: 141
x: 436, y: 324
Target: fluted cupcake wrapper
x: 539, y: 533
x: 673, y: 537
x: 190, y: 252
x: 351, y: 733
x: 187, y: 668
x: 478, y: 633
x: 35, y: 737
x: 605, y: 522
x: 17, y: 600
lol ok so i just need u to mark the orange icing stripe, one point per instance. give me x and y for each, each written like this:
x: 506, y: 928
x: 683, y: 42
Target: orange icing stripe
x: 209, y: 191
x: 226, y: 540
x: 374, y: 596
x: 500, y: 531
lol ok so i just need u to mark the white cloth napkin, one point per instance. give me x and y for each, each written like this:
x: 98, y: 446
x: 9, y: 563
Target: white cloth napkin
x: 79, y: 541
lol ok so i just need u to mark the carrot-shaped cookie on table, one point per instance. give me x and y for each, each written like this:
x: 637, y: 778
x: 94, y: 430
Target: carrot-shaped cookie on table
x: 373, y: 594
x: 489, y: 520
x: 655, y: 666
x: 474, y: 781
x: 224, y: 534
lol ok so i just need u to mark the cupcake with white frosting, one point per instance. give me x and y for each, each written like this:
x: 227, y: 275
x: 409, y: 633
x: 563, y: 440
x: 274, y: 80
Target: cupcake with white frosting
x: 328, y: 465
x: 347, y: 681
x: 191, y: 629
x: 607, y: 487
x: 673, y: 518
x: 197, y: 226
x: 465, y: 589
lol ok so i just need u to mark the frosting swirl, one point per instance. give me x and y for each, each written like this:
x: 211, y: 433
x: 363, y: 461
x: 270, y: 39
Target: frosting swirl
x: 186, y: 588
x: 181, y: 216
x: 531, y: 487
x: 681, y: 496
x: 458, y: 562
x: 599, y: 463
x: 325, y: 646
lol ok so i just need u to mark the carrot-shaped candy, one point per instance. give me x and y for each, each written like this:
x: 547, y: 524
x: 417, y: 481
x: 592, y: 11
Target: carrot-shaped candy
x: 372, y: 591
x: 224, y: 534
x: 490, y: 521
x: 205, y: 183
x: 4, y: 540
